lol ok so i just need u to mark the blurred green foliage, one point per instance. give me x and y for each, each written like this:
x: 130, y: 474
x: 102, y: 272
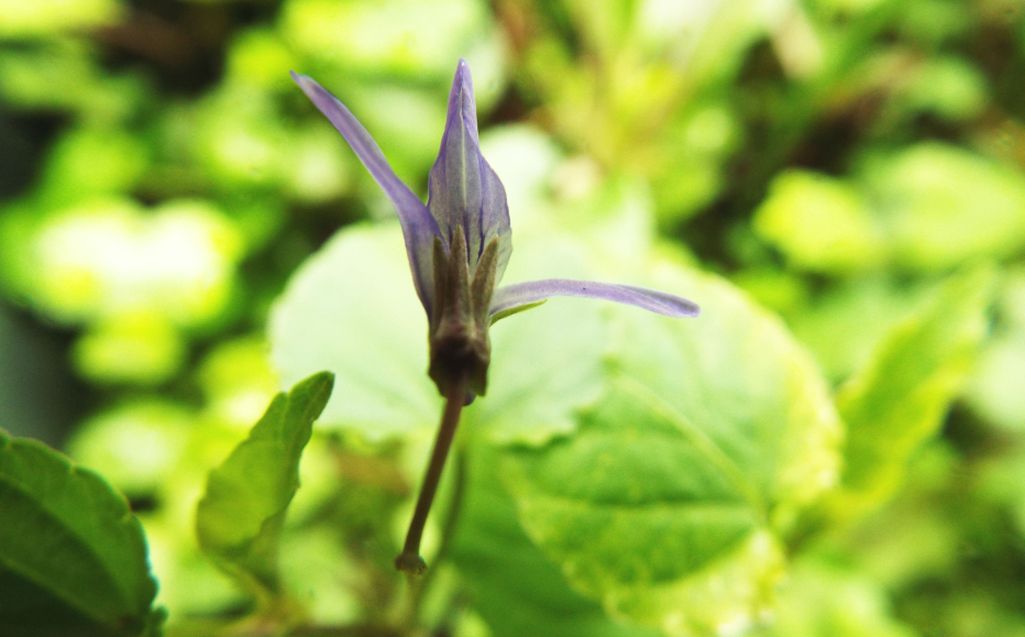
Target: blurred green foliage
x: 834, y: 448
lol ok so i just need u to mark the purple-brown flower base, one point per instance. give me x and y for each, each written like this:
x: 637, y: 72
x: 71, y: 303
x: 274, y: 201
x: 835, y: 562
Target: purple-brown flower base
x: 460, y: 349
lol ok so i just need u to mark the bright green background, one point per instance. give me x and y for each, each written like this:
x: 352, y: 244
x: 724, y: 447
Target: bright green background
x: 834, y: 448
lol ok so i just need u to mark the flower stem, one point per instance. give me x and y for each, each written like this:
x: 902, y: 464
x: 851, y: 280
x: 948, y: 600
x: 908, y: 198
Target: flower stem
x: 409, y: 560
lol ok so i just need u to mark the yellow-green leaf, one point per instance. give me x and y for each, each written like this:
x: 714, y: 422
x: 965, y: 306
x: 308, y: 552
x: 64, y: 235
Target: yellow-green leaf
x: 240, y: 518
x: 900, y: 398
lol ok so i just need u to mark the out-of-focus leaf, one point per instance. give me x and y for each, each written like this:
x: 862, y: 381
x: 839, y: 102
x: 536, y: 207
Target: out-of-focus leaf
x: 678, y: 550
x: 780, y: 290
x: 72, y: 556
x: 240, y: 518
x: 137, y: 348
x: 950, y: 87
x: 997, y: 387
x: 649, y: 61
x: 105, y: 258
x: 49, y: 17
x: 319, y: 570
x: 928, y: 207
x: 833, y: 326
x: 547, y: 365
x: 820, y: 223
x: 1003, y: 481
x: 136, y: 444
x: 931, y: 22
x: 528, y: 160
x: 688, y: 156
x: 92, y: 161
x: 819, y: 601
x: 388, y: 38
x: 260, y: 57
x: 900, y: 397
x: 996, y: 390
x: 942, y: 205
x: 915, y: 537
x: 29, y: 74
x: 312, y: 167
x: 512, y: 584
x: 239, y: 138
x: 237, y: 380
x: 667, y: 502
x: 393, y: 73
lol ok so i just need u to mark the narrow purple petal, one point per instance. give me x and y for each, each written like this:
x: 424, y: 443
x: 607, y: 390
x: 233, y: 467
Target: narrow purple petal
x: 464, y: 189
x: 510, y: 297
x: 418, y: 226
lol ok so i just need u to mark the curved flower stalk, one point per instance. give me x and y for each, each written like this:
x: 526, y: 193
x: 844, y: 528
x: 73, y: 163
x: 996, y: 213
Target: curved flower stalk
x: 458, y: 245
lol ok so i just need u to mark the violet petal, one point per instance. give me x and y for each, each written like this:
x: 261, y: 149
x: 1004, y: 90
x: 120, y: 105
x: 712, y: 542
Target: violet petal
x: 418, y: 226
x: 508, y: 298
x: 464, y: 189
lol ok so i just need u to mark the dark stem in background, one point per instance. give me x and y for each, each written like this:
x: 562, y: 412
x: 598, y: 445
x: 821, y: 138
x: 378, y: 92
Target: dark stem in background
x: 409, y: 560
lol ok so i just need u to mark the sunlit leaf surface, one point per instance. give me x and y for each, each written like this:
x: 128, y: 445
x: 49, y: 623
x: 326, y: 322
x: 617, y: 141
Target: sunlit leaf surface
x: 667, y: 503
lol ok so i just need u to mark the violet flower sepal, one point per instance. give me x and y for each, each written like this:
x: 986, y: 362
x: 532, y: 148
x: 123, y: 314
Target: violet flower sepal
x: 419, y: 229
x: 511, y: 299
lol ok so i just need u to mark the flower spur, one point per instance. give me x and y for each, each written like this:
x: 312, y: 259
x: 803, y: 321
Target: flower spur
x: 458, y: 245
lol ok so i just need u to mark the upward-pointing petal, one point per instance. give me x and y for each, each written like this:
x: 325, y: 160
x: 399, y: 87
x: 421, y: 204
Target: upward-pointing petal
x: 464, y: 189
x: 418, y: 226
x: 510, y: 298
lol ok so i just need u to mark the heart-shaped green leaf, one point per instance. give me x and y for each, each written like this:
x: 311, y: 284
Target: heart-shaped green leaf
x: 668, y: 502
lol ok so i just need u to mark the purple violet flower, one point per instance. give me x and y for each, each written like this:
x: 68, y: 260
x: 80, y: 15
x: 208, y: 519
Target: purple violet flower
x: 459, y: 243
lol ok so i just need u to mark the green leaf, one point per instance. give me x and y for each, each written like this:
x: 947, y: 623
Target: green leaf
x: 351, y: 309
x: 820, y: 223
x: 841, y: 309
x: 942, y: 205
x: 998, y: 383
x: 668, y: 501
x: 996, y: 390
x: 900, y: 398
x: 928, y: 207
x: 240, y: 518
x: 515, y: 588
x: 68, y: 280
x: 818, y: 600
x: 72, y: 555
x: 48, y: 17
